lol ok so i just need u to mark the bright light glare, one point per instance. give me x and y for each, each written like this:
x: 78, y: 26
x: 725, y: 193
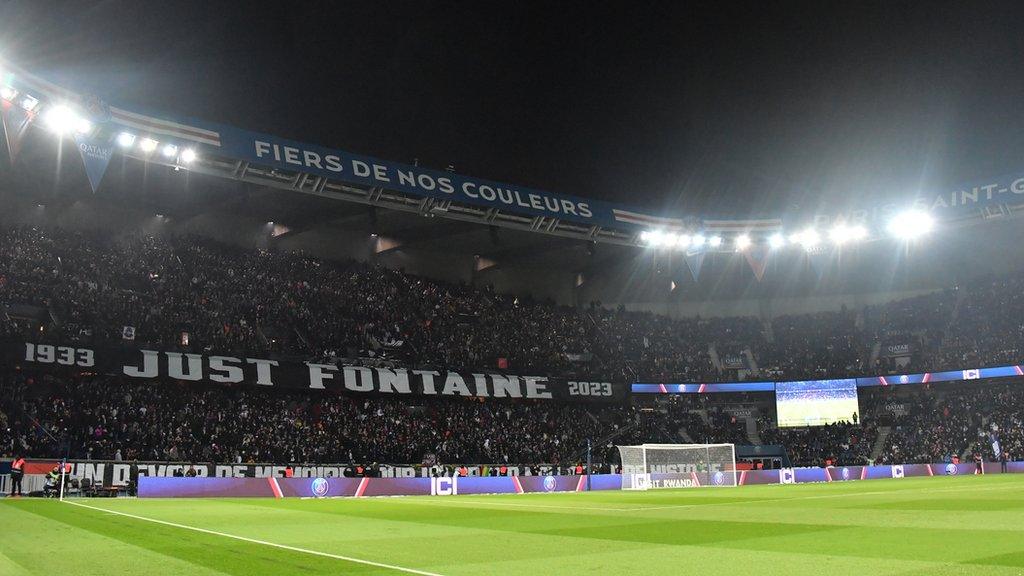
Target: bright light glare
x: 697, y: 241
x: 126, y: 139
x: 777, y: 240
x: 808, y: 238
x: 83, y: 126
x: 170, y: 150
x: 843, y: 233
x: 715, y: 241
x: 60, y: 119
x: 742, y: 242
x: 148, y: 145
x: 188, y: 155
x: 29, y: 103
x: 8, y: 93
x: 911, y: 224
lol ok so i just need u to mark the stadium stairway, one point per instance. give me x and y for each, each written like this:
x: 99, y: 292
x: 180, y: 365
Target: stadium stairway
x: 752, y: 434
x: 876, y: 350
x: 715, y: 360
x: 751, y: 361
x: 883, y: 435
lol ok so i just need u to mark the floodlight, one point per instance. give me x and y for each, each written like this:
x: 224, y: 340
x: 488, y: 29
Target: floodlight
x: 83, y: 126
x: 808, y: 238
x: 697, y: 241
x: 715, y: 241
x: 170, y: 151
x: 148, y: 145
x: 8, y: 93
x: 188, y: 155
x: 776, y: 240
x: 742, y: 242
x: 60, y: 119
x: 126, y: 139
x: 29, y: 103
x: 841, y: 233
x: 911, y: 224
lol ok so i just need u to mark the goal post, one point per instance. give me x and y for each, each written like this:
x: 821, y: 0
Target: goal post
x: 652, y: 466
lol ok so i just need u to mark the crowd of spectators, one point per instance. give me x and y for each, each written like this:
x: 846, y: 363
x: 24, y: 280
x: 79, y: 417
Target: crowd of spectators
x: 190, y: 293
x: 930, y: 424
x: 186, y: 292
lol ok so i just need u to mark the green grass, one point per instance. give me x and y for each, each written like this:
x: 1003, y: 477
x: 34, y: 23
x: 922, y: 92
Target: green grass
x: 928, y: 526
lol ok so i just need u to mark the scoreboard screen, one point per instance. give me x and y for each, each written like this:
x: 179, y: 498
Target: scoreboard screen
x: 816, y: 402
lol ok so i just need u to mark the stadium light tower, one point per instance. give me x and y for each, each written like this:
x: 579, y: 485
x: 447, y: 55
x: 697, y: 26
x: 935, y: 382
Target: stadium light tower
x: 911, y: 224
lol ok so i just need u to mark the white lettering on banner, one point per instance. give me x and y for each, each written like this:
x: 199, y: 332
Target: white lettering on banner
x: 396, y: 381
x: 263, y: 370
x: 176, y: 368
x: 150, y: 366
x: 428, y: 380
x: 318, y: 373
x: 536, y: 387
x: 413, y: 179
x: 358, y: 379
x: 455, y: 385
x: 231, y: 374
x: 444, y: 486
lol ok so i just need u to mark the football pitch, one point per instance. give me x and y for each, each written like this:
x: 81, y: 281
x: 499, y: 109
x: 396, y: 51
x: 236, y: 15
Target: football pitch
x: 944, y: 525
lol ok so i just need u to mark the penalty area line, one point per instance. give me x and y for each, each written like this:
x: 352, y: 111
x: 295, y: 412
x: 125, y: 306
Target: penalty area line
x: 260, y: 542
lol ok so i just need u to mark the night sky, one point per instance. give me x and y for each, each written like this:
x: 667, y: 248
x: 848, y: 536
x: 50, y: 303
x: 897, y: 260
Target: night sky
x: 739, y: 109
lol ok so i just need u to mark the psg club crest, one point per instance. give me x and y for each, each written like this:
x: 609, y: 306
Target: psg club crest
x: 718, y: 479
x: 951, y: 469
x: 846, y: 473
x: 320, y: 487
x: 549, y: 483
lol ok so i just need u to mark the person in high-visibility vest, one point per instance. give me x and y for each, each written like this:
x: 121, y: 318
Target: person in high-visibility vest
x: 17, y: 474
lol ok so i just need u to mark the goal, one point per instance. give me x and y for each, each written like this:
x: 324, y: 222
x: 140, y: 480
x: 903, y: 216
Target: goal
x: 649, y: 466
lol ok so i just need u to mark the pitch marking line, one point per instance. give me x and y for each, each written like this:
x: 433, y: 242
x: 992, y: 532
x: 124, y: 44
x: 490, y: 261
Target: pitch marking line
x: 261, y: 542
x: 477, y: 502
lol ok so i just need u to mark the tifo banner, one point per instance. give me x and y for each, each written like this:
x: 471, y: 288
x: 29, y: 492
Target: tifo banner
x: 117, y: 473
x: 213, y: 369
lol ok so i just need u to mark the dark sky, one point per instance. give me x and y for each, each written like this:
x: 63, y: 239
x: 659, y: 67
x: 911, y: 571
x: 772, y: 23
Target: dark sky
x: 728, y: 108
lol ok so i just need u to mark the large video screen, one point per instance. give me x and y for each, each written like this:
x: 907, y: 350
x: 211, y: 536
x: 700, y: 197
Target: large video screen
x: 816, y: 402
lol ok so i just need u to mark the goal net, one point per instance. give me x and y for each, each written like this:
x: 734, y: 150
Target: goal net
x: 650, y: 466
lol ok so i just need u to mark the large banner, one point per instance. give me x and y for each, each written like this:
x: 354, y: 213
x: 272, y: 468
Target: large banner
x: 111, y: 473
x: 146, y: 364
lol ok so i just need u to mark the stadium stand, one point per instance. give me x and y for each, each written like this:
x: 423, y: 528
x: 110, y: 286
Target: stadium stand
x: 89, y: 288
